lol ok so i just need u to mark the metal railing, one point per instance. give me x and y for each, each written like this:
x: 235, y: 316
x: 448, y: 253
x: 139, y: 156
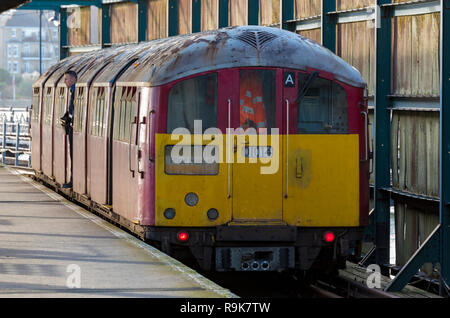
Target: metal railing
x: 15, y: 140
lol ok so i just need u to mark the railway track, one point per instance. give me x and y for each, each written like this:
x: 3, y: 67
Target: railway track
x: 340, y: 287
x: 278, y: 285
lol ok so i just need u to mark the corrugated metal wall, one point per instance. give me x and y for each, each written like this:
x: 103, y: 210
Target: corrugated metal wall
x: 415, y: 79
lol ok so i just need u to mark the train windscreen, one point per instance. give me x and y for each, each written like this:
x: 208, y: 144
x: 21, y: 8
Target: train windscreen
x: 193, y: 100
x: 257, y: 96
x: 322, y: 108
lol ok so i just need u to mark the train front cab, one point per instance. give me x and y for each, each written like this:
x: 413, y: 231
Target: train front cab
x: 310, y: 177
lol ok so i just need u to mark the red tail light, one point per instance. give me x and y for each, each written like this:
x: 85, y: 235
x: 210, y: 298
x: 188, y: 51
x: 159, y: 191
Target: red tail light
x: 328, y: 237
x: 182, y: 236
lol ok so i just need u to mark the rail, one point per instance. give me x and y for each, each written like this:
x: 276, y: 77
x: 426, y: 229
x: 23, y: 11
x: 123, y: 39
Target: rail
x: 15, y: 140
x: 341, y: 287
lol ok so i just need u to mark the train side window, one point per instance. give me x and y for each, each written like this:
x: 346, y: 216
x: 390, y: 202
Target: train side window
x: 117, y: 108
x: 102, y: 114
x: 193, y: 99
x: 79, y: 109
x: 92, y: 111
x: 48, y: 107
x: 59, y: 103
x: 97, y: 112
x: 323, y: 109
x: 126, y: 122
x: 61, y: 106
x: 124, y: 112
x: 35, y: 111
x: 131, y: 112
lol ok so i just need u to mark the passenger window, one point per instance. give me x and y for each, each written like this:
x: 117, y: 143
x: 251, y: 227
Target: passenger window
x: 124, y: 112
x: 323, y: 108
x: 257, y: 96
x: 48, y: 107
x: 59, y: 107
x: 193, y: 99
x: 78, y: 109
x: 97, y: 113
x: 35, y: 111
x: 117, y: 100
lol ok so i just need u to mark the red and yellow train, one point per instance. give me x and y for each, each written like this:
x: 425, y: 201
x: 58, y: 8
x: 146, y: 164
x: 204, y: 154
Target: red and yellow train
x: 157, y: 146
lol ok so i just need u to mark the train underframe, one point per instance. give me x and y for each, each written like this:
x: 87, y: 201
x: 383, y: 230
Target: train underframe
x: 261, y: 248
x: 239, y: 248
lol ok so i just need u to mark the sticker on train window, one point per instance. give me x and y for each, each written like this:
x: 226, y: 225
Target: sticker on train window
x: 257, y: 152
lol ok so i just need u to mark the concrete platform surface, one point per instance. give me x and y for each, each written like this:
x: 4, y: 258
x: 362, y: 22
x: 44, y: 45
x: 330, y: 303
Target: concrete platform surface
x: 50, y: 247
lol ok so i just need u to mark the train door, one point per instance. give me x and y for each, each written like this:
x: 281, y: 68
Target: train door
x: 60, y: 139
x: 97, y: 145
x: 141, y: 173
x: 47, y: 130
x: 320, y: 157
x: 125, y: 151
x: 257, y: 173
x: 36, y: 127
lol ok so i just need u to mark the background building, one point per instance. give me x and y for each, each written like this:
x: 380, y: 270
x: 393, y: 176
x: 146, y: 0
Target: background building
x: 19, y: 53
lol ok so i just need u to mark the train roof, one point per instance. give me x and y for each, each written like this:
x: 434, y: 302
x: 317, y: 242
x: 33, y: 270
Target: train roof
x: 158, y: 62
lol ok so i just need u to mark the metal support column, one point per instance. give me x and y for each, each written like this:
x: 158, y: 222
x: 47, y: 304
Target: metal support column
x: 63, y: 30
x: 142, y: 20
x: 253, y: 12
x: 223, y: 13
x: 328, y: 23
x: 173, y: 17
x: 106, y: 24
x: 287, y: 14
x: 444, y: 208
x: 436, y: 248
x: 196, y: 16
x: 382, y: 130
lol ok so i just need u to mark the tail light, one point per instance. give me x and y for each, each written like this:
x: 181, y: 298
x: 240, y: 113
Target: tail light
x: 182, y: 236
x: 328, y: 237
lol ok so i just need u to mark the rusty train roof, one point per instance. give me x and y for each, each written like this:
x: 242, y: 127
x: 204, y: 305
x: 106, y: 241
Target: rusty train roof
x: 161, y: 61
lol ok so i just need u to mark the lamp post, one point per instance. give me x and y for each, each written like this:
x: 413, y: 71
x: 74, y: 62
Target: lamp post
x: 40, y: 42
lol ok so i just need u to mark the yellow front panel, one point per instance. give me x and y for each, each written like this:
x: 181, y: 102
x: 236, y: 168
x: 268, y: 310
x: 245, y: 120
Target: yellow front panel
x: 171, y: 190
x: 323, y: 174
x: 322, y: 190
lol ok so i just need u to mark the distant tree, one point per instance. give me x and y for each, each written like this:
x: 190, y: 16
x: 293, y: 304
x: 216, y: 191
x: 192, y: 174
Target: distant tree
x: 24, y: 88
x: 5, y: 79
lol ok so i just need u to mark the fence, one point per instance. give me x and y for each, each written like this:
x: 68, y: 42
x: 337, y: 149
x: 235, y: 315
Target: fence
x: 15, y: 139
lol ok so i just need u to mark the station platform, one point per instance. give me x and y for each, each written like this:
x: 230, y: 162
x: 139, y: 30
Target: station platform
x: 50, y: 247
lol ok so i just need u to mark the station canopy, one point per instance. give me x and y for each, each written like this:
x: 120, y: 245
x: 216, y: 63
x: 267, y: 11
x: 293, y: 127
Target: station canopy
x: 11, y: 4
